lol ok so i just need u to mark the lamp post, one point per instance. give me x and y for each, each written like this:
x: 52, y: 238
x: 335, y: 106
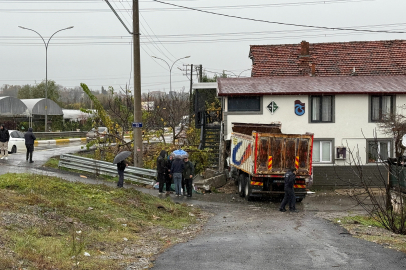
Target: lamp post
x: 238, y: 74
x: 46, y: 68
x: 243, y: 71
x: 170, y: 69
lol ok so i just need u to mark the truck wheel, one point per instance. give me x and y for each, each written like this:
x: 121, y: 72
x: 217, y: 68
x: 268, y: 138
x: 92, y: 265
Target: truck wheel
x: 241, y: 185
x: 248, y: 189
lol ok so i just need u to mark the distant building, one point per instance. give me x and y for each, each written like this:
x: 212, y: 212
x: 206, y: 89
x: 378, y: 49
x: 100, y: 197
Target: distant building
x: 147, y: 105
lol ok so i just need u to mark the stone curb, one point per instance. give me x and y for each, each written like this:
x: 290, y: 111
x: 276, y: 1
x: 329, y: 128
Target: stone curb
x: 59, y: 141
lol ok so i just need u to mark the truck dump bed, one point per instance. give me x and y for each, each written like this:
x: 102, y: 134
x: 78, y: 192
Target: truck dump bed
x: 261, y: 154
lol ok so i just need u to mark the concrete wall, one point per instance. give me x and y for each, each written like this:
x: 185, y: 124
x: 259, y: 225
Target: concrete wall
x: 334, y: 177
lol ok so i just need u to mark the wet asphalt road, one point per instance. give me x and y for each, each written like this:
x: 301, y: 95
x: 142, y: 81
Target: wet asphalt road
x: 258, y: 236
x: 253, y: 235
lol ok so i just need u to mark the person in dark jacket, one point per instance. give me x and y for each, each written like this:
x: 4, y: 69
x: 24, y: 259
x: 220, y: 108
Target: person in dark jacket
x: 188, y: 172
x: 160, y: 168
x: 120, y: 169
x: 168, y: 176
x: 176, y: 171
x: 29, y: 144
x: 289, y: 192
x: 4, y: 138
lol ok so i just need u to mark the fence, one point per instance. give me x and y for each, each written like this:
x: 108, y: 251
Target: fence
x: 97, y: 167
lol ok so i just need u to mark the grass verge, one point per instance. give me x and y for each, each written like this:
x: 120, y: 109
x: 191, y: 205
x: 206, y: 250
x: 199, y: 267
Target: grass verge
x: 49, y: 223
x: 367, y: 228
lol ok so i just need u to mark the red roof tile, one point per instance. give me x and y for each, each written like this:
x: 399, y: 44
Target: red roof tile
x: 305, y: 85
x: 367, y: 58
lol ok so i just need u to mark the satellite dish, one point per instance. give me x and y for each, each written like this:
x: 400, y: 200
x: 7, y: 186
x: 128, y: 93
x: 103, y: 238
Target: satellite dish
x: 404, y: 140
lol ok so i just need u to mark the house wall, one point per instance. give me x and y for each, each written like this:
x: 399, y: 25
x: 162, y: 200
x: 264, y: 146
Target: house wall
x: 351, y: 127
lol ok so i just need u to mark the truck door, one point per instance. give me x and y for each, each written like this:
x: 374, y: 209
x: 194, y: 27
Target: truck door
x: 276, y: 154
x: 290, y: 152
x: 303, y: 155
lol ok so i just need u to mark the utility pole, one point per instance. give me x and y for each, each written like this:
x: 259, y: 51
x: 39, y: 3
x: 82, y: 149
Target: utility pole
x: 190, y: 95
x: 137, y: 131
x: 200, y: 73
x: 137, y: 125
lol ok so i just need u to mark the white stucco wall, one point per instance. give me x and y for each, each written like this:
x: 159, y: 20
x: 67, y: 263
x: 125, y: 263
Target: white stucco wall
x: 350, y: 128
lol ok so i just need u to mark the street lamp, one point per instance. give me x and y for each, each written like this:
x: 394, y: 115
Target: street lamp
x: 243, y: 71
x: 170, y: 69
x: 46, y: 68
x: 238, y: 74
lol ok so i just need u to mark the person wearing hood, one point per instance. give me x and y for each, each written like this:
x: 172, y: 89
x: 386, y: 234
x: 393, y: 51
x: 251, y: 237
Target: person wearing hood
x: 160, y: 168
x: 4, y: 138
x: 188, y: 173
x: 168, y: 176
x: 29, y: 144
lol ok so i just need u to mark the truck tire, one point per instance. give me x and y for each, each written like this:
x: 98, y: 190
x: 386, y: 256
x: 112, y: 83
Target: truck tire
x: 248, y: 189
x: 241, y: 185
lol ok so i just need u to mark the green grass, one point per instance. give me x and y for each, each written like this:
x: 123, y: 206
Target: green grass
x: 52, y: 163
x: 367, y: 228
x: 52, y: 222
x: 363, y: 220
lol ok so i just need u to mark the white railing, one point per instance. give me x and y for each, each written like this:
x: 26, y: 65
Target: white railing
x: 97, y: 167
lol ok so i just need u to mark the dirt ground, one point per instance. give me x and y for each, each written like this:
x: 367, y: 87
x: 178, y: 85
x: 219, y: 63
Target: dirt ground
x: 333, y: 206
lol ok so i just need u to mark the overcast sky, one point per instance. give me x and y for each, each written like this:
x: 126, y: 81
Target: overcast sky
x: 97, y: 51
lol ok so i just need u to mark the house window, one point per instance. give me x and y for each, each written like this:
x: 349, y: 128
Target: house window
x: 378, y: 150
x: 244, y: 104
x: 322, y: 151
x: 322, y: 109
x: 381, y: 106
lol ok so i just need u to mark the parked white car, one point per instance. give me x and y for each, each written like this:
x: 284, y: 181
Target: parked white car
x: 16, y: 141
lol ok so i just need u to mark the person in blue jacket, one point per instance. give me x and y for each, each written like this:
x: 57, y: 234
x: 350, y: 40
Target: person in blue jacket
x: 289, y: 197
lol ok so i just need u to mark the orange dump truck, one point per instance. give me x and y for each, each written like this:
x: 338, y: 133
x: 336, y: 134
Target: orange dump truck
x: 260, y: 155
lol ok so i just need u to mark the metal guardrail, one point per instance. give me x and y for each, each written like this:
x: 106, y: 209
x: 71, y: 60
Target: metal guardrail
x: 62, y: 134
x: 140, y: 175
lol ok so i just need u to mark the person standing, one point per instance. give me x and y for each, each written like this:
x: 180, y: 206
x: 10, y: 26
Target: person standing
x: 160, y: 168
x: 168, y: 176
x: 4, y: 138
x: 289, y: 192
x: 29, y: 144
x: 188, y: 172
x: 120, y: 169
x: 176, y: 171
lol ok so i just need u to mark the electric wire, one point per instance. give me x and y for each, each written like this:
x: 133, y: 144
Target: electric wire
x: 282, y: 23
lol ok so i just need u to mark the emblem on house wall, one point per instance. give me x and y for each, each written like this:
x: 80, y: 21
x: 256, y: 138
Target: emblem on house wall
x: 272, y: 107
x: 299, y: 108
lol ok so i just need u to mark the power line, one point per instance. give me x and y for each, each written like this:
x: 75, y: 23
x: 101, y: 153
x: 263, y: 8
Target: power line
x: 181, y: 9
x: 281, y: 23
x: 306, y: 31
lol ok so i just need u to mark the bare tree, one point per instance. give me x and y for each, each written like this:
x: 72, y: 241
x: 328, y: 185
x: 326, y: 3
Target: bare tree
x: 381, y: 190
x: 171, y: 111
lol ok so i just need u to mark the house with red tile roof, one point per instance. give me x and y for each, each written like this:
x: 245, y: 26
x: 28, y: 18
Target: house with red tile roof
x: 362, y: 58
x: 337, y: 91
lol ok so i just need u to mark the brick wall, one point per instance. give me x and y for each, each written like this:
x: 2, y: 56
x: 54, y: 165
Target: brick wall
x: 331, y: 177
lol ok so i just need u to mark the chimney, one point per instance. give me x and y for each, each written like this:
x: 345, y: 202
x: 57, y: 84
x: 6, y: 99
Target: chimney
x: 313, y: 67
x: 304, y: 48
